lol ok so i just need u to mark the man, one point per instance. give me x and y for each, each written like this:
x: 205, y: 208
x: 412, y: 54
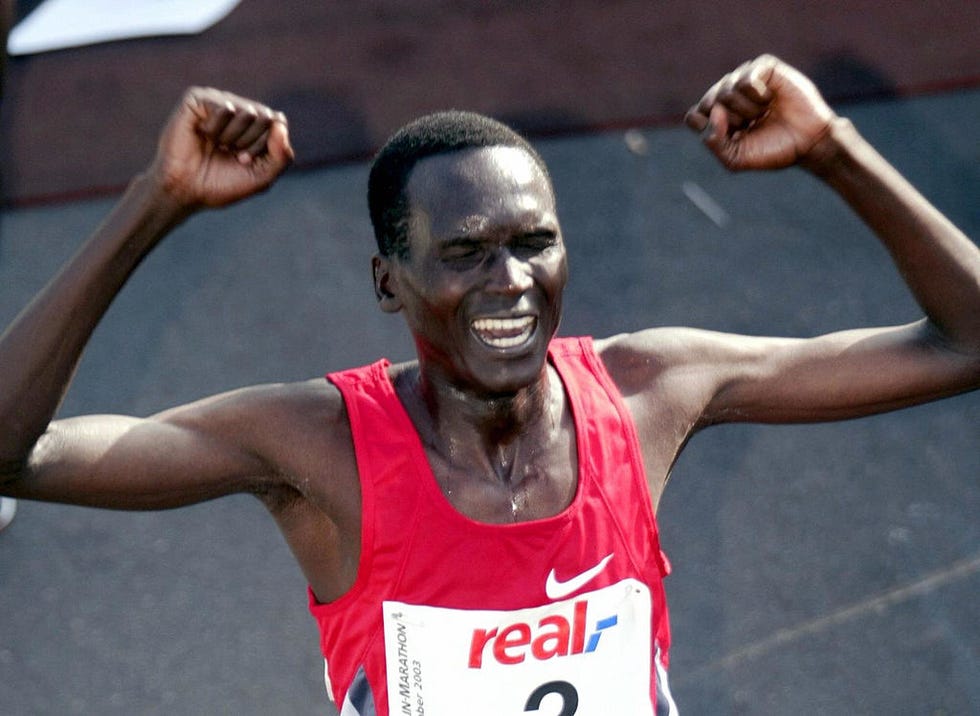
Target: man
x: 478, y: 524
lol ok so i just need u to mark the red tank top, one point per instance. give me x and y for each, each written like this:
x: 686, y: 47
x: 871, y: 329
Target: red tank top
x: 449, y: 615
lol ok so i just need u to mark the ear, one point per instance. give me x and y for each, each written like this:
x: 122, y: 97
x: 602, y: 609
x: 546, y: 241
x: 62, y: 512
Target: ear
x: 381, y: 267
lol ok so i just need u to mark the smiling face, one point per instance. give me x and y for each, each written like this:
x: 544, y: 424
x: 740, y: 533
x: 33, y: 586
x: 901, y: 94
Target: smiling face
x: 482, y: 283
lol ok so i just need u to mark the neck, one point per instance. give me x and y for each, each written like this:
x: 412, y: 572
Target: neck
x: 498, y: 417
x: 470, y: 428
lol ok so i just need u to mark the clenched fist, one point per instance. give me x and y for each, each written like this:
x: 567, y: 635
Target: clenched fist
x: 763, y: 115
x: 218, y: 148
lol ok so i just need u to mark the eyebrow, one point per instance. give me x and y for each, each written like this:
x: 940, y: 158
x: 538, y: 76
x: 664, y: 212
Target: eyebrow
x: 532, y: 223
x: 463, y: 239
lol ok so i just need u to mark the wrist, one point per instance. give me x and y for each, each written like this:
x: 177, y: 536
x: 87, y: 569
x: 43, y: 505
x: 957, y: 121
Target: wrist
x: 830, y: 153
x: 160, y: 197
x: 144, y: 215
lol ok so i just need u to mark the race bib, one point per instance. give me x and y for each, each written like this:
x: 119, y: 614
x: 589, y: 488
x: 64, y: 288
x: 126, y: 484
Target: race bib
x: 587, y: 655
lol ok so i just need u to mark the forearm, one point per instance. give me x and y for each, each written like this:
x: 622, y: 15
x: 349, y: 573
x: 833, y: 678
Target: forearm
x: 41, y: 348
x: 938, y: 262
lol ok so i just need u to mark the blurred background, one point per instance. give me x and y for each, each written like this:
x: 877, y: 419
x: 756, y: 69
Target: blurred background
x: 818, y: 569
x: 347, y: 73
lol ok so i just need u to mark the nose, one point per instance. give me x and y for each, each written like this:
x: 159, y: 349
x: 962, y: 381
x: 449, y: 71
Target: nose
x: 509, y: 274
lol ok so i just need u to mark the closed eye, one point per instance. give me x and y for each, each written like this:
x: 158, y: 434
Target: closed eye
x: 462, y: 251
x: 534, y: 242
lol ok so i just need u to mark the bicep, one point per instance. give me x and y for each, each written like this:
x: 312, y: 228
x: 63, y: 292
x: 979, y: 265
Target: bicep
x: 837, y: 376
x: 134, y: 463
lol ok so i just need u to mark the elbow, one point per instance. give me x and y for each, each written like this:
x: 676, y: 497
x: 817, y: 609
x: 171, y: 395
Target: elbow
x: 961, y: 356
x: 961, y: 343
x: 13, y: 464
x: 15, y: 460
x: 10, y: 472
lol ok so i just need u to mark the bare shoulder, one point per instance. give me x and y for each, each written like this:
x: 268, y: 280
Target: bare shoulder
x: 284, y: 423
x: 667, y: 377
x: 300, y: 435
x: 637, y: 361
x: 258, y: 410
x: 683, y: 370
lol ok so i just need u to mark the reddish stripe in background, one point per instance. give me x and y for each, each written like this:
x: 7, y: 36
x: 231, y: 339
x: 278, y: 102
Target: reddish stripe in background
x: 80, y: 122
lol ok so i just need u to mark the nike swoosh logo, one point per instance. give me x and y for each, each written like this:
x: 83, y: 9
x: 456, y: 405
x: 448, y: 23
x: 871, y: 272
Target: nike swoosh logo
x: 556, y: 590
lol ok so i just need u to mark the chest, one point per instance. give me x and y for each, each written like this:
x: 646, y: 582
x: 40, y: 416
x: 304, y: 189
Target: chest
x: 540, y: 482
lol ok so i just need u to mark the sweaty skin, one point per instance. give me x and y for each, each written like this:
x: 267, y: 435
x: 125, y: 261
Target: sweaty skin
x: 481, y: 291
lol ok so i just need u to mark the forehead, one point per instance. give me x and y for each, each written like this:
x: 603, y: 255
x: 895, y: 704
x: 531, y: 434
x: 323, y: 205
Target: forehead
x: 475, y: 187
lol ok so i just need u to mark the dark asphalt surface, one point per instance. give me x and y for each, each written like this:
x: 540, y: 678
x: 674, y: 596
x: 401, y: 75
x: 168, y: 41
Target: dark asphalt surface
x: 828, y: 569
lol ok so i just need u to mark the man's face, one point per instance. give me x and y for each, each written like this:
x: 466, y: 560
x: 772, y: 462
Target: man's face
x: 481, y: 287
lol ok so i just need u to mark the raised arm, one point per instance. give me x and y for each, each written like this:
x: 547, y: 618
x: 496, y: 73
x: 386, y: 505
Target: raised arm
x: 215, y: 149
x: 767, y: 115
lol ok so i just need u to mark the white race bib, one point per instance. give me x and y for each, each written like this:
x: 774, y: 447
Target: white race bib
x: 587, y: 655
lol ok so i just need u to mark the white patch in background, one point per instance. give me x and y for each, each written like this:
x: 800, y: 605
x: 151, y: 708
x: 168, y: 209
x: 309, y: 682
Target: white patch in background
x: 57, y: 24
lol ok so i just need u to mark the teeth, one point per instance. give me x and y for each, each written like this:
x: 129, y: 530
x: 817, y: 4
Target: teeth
x: 508, y: 325
x: 504, y: 332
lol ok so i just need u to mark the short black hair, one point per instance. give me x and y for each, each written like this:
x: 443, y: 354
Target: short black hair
x: 433, y: 134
